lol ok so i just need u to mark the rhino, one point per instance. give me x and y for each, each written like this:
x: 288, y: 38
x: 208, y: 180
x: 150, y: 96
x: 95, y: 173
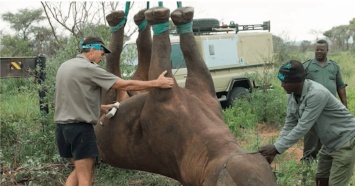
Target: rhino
x: 179, y: 132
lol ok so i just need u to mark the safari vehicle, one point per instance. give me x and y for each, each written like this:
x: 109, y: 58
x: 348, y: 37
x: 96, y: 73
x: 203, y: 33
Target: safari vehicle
x: 228, y: 53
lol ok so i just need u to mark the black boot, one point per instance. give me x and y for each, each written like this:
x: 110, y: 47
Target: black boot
x: 322, y: 181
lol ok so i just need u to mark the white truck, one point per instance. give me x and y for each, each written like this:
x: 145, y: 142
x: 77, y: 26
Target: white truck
x: 229, y: 54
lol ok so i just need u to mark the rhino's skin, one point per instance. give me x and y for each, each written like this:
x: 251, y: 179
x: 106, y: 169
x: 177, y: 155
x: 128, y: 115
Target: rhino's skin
x: 178, y: 132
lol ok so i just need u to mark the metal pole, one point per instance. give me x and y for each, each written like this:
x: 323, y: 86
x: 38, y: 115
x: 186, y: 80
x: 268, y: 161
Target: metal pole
x: 41, y: 77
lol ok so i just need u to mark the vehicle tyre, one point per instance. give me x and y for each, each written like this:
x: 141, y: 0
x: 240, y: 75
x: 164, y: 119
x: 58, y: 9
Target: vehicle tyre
x: 205, y: 24
x: 237, y: 93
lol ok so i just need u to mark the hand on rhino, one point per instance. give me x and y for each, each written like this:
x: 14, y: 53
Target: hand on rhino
x: 269, y: 152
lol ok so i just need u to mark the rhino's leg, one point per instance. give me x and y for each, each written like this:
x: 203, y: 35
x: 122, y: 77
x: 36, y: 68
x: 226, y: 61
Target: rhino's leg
x: 144, y: 47
x: 115, y: 20
x: 199, y: 80
x: 116, y: 43
x: 158, y: 17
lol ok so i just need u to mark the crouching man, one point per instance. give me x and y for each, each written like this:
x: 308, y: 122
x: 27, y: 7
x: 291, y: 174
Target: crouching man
x: 312, y: 108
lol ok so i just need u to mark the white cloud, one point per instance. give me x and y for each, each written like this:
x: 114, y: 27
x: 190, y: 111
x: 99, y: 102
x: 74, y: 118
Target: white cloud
x: 291, y: 19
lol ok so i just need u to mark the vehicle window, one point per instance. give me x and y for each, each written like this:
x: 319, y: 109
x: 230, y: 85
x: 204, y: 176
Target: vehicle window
x: 176, y: 57
x: 130, y: 56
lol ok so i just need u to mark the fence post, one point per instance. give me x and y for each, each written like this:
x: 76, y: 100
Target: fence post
x: 41, y: 77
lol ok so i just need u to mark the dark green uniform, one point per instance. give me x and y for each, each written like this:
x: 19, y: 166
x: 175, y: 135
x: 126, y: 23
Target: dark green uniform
x: 330, y: 77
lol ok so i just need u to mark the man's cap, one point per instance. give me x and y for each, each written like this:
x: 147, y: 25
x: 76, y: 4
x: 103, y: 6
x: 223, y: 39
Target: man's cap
x: 292, y: 72
x: 94, y: 40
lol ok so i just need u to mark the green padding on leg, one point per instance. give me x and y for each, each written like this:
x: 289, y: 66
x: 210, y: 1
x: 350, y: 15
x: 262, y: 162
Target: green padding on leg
x: 119, y: 25
x: 160, y: 28
x: 185, y: 28
x: 123, y: 21
x: 142, y: 26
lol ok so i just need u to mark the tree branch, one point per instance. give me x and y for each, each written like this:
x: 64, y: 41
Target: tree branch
x: 49, y: 21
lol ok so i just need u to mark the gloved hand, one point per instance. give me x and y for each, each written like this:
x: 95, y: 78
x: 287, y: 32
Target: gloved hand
x: 106, y: 108
x: 113, y: 110
x: 269, y: 152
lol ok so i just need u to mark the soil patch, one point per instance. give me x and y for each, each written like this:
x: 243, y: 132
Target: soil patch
x: 268, y: 132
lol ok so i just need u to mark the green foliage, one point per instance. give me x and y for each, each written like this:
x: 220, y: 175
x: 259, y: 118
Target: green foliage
x: 345, y: 60
x: 23, y: 20
x: 270, y: 106
x: 22, y: 47
x: 285, y: 51
x: 339, y: 35
x: 101, y: 31
x: 26, y: 147
x: 301, y: 173
x: 240, y: 118
x: 14, y: 85
x: 29, y: 39
x: 267, y: 103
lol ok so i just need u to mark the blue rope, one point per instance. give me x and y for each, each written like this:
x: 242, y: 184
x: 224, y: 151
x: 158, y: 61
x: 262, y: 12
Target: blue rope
x: 119, y: 25
x: 144, y: 22
x: 142, y: 25
x: 123, y: 21
x: 185, y: 28
x: 160, y: 28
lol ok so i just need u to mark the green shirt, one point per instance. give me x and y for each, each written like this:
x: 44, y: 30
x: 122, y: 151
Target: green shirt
x: 329, y: 75
x: 80, y: 85
x: 319, y: 112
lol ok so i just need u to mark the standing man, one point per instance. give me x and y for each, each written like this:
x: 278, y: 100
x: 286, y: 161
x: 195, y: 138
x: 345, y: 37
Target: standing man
x: 326, y: 72
x: 80, y: 84
x: 310, y: 106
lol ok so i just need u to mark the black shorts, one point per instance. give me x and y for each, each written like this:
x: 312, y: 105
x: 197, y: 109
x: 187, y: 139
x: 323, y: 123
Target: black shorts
x: 76, y: 140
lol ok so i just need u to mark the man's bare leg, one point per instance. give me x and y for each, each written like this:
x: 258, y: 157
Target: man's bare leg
x: 82, y: 175
x: 72, y: 179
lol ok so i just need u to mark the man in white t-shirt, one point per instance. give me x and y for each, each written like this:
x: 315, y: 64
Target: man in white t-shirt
x: 80, y: 84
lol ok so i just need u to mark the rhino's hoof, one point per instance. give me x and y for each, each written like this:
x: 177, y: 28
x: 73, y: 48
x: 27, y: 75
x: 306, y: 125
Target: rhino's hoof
x: 157, y: 15
x: 139, y: 17
x: 182, y: 15
x: 115, y: 17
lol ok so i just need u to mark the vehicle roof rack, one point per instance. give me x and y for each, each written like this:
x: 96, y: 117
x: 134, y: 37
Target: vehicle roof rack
x: 232, y: 27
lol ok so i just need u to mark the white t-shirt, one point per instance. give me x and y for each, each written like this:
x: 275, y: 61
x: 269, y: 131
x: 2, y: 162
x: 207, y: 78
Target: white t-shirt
x: 80, y: 85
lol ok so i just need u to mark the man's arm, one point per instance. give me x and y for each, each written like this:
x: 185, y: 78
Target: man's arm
x: 105, y: 108
x: 342, y: 96
x: 161, y: 82
x: 340, y: 86
x: 312, y: 105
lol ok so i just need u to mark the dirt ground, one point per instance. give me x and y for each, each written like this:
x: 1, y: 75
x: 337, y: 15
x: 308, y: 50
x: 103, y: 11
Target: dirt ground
x: 267, y: 132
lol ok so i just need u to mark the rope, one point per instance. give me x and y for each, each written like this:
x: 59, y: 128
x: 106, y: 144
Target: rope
x: 124, y: 20
x: 142, y: 25
x: 185, y: 28
x: 160, y: 28
x: 144, y: 22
